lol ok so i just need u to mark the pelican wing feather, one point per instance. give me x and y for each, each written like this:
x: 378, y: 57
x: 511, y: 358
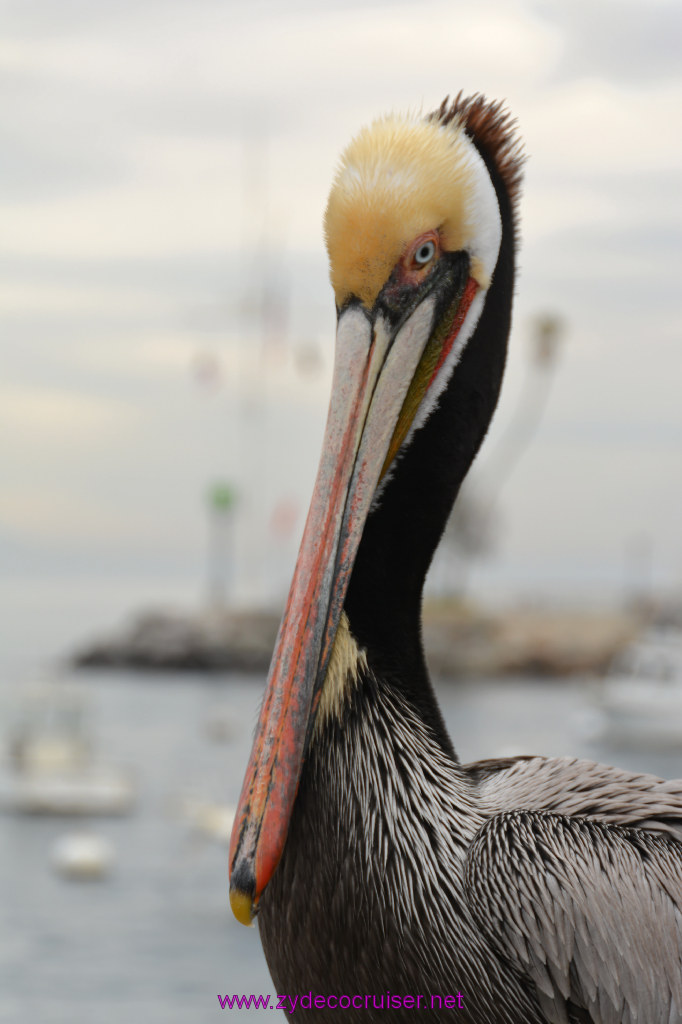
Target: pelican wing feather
x: 589, y: 912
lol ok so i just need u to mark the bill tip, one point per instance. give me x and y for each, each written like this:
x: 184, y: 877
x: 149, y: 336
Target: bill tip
x: 242, y: 906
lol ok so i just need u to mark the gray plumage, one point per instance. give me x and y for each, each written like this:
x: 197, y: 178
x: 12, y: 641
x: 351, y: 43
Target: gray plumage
x: 547, y: 891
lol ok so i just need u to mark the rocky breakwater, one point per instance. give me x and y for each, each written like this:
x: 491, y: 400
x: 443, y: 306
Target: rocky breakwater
x: 209, y: 641
x: 460, y: 640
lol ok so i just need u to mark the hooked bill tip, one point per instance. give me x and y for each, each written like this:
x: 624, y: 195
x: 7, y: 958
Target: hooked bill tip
x: 242, y: 891
x: 242, y: 906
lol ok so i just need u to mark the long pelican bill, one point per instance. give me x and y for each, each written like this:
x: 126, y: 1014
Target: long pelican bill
x: 385, y: 363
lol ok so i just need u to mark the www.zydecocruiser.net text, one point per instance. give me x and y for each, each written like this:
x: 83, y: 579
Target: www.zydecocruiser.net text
x: 375, y: 1001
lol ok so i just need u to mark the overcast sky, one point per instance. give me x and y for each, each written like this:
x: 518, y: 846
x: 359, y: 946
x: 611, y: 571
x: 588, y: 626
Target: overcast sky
x: 164, y: 162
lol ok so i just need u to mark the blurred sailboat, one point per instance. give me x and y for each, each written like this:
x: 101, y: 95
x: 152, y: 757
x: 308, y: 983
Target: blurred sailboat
x: 208, y: 818
x: 641, y: 696
x: 49, y: 764
x: 82, y: 856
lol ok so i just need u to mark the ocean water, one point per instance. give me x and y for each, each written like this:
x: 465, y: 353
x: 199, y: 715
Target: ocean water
x: 155, y: 943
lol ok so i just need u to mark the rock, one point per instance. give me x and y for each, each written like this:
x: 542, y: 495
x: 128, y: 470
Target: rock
x: 459, y: 640
x: 212, y: 641
x: 525, y: 641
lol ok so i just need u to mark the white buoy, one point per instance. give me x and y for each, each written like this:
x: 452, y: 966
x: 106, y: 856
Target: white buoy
x: 82, y: 856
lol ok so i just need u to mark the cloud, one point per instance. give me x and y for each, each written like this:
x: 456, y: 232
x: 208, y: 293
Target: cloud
x: 627, y: 41
x: 54, y: 417
x: 164, y: 162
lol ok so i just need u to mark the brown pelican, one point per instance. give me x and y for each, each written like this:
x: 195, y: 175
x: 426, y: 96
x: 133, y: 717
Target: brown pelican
x: 381, y: 868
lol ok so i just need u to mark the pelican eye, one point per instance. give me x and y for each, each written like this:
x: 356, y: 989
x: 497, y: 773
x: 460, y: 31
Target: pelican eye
x: 425, y: 253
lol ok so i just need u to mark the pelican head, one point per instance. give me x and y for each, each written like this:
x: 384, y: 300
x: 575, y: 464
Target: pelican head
x: 406, y: 191
x: 414, y: 229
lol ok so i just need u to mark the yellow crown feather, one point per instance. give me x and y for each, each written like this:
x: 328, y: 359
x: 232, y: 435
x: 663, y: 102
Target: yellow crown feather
x: 397, y: 179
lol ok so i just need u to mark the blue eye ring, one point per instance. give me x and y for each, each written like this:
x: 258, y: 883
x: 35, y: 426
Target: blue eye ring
x: 425, y: 253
